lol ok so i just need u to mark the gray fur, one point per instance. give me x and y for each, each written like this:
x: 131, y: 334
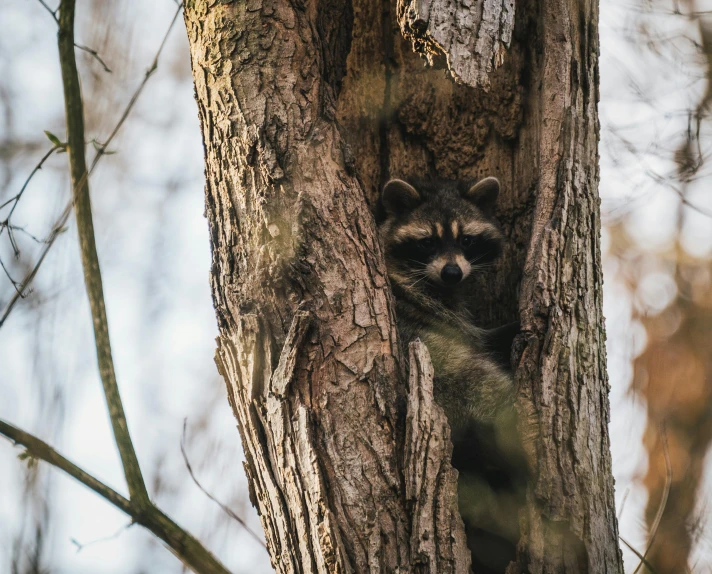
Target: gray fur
x: 469, y: 384
x: 473, y: 388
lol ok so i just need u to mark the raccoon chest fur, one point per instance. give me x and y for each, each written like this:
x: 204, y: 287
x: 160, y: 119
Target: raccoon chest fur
x: 436, y: 236
x: 469, y: 383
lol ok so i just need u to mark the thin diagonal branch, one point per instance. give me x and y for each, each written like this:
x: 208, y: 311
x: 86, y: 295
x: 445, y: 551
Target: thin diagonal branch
x: 663, y: 500
x: 94, y: 54
x: 101, y: 149
x: 183, y: 545
x: 74, y: 111
x: 57, y: 228
x: 86, y: 49
x: 16, y: 198
x: 6, y: 224
x: 15, y: 284
x: 41, y: 450
x: 82, y: 545
x: 226, y: 509
x: 638, y: 554
x: 52, y: 13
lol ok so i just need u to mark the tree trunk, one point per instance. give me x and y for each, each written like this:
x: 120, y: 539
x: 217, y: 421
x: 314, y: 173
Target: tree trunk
x: 306, y: 109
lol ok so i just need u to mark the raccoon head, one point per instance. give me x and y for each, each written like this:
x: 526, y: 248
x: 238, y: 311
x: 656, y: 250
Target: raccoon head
x: 437, y: 233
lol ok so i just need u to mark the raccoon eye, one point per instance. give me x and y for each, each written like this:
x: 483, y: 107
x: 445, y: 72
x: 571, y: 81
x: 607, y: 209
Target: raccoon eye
x: 467, y: 241
x: 479, y: 248
x: 427, y: 245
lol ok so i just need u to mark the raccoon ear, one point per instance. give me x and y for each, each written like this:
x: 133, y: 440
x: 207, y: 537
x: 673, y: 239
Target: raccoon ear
x: 484, y: 194
x: 398, y: 197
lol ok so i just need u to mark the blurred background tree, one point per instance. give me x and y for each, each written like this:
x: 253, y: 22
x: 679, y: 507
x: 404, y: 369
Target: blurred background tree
x: 656, y: 183
x: 153, y: 242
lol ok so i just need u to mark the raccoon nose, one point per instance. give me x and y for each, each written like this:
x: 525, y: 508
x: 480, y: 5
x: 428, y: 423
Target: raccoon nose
x: 451, y: 274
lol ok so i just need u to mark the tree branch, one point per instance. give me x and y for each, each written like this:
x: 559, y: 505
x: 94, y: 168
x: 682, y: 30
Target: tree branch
x: 186, y: 548
x: 226, y: 509
x: 7, y: 224
x: 663, y: 501
x: 41, y: 450
x: 74, y: 110
x: 86, y: 49
x: 57, y: 228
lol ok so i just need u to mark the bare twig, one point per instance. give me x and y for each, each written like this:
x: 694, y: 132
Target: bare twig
x: 41, y: 450
x: 14, y: 228
x: 182, y: 544
x: 16, y: 198
x: 663, y: 181
x: 93, y: 53
x: 638, y: 554
x: 82, y: 545
x: 101, y: 151
x: 226, y: 509
x: 58, y: 228
x: 5, y: 223
x: 52, y: 13
x: 101, y: 148
x: 663, y: 500
x: 86, y: 49
x: 15, y: 283
x: 625, y: 498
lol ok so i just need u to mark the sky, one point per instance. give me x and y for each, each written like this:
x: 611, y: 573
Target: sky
x: 153, y: 245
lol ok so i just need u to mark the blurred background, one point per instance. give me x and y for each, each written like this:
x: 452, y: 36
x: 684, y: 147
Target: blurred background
x: 656, y: 142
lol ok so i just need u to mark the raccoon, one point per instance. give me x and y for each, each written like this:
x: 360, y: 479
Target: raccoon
x: 436, y: 236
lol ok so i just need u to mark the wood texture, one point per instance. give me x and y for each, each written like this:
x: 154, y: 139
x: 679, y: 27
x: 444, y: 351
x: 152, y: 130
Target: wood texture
x: 471, y: 35
x: 437, y: 538
x: 307, y: 340
x: 306, y: 109
x: 536, y: 129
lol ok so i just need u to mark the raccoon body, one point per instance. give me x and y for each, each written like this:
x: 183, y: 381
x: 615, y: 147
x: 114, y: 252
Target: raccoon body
x: 436, y: 235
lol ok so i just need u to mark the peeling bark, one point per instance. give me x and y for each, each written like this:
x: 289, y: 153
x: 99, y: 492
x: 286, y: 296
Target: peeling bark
x: 437, y: 539
x: 472, y: 35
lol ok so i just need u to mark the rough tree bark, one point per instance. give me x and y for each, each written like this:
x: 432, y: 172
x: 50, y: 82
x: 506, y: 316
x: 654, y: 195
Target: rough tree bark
x: 306, y: 109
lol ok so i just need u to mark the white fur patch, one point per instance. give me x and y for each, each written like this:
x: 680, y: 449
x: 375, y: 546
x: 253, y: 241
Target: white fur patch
x: 412, y: 231
x: 435, y: 267
x: 464, y: 264
x: 480, y: 227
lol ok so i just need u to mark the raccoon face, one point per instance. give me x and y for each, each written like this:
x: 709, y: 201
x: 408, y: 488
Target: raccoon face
x: 437, y: 233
